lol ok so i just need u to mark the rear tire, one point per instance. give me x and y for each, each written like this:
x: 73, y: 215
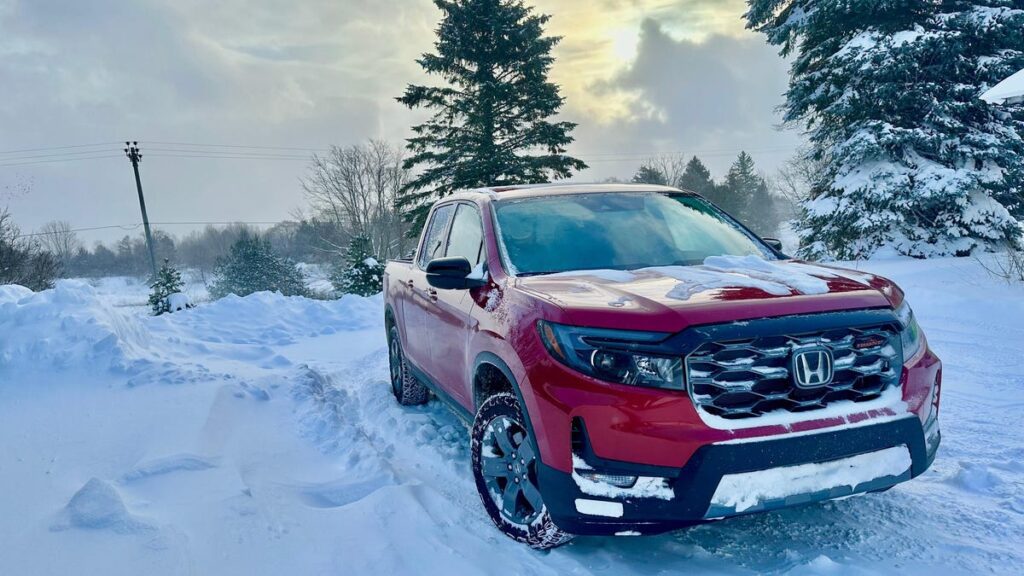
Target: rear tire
x: 407, y: 389
x: 505, y: 469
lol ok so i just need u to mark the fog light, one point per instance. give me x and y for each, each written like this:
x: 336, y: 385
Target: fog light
x: 617, y: 480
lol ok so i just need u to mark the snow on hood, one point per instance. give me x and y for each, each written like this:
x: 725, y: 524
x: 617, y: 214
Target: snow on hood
x: 718, y: 275
x: 742, y: 272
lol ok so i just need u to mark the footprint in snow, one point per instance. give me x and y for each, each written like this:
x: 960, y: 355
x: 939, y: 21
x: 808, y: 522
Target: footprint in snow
x: 341, y: 493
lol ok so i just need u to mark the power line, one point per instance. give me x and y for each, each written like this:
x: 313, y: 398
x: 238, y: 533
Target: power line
x: 60, y: 160
x: 238, y: 146
x: 45, y: 149
x: 57, y: 155
x: 134, y: 226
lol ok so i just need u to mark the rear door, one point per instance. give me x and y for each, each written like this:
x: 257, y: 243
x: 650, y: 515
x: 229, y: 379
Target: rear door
x: 451, y: 324
x: 420, y: 306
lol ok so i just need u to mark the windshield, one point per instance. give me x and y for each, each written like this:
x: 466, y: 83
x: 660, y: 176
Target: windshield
x: 619, y: 231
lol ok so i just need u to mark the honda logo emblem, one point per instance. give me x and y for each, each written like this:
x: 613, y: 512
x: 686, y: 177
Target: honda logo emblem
x: 812, y: 368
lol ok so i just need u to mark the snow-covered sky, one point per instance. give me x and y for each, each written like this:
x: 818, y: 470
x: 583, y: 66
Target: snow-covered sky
x: 640, y: 77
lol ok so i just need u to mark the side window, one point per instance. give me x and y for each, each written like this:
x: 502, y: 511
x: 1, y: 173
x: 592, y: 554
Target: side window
x: 467, y: 237
x: 433, y: 242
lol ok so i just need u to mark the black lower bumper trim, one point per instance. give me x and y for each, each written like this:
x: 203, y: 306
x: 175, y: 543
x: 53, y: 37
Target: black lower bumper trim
x: 694, y: 485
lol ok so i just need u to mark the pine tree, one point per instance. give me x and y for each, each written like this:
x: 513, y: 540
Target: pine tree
x: 889, y: 90
x: 741, y: 186
x: 361, y: 274
x: 649, y: 174
x: 168, y: 281
x: 490, y: 123
x: 697, y: 178
x: 252, y: 266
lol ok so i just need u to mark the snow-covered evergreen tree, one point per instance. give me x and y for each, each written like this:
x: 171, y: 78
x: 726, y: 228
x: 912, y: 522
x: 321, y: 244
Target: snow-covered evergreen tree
x: 361, y: 274
x: 889, y: 90
x: 490, y: 121
x: 167, y: 282
x: 252, y: 266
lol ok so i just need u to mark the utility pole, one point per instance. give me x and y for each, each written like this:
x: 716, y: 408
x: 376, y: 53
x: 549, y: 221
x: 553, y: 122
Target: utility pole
x: 133, y: 154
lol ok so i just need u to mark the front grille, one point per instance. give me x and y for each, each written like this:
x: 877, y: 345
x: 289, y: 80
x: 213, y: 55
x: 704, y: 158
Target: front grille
x: 747, y: 378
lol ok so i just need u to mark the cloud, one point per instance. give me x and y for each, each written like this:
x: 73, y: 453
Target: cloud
x: 712, y: 98
x: 320, y: 72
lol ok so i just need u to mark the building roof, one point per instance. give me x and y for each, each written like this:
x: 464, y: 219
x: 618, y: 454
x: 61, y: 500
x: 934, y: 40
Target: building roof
x: 1009, y: 91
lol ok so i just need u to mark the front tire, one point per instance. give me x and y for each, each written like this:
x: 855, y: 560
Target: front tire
x: 505, y: 469
x: 407, y: 389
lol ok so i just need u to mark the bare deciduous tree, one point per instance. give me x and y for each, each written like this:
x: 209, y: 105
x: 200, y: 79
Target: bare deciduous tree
x: 357, y: 188
x: 22, y: 260
x: 58, y: 238
x: 797, y: 180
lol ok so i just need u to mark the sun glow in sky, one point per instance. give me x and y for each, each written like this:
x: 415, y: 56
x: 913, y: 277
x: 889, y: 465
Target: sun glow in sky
x: 600, y: 38
x: 639, y: 77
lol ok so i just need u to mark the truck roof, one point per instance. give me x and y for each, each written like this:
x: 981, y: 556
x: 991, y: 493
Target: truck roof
x: 530, y: 190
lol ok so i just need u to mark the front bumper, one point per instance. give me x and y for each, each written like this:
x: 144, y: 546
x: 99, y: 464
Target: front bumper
x: 694, y: 485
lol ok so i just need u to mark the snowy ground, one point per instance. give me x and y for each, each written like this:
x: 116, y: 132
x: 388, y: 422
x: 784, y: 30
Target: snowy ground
x: 258, y: 436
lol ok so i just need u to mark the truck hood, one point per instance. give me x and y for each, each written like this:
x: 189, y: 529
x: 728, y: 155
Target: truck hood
x: 723, y: 289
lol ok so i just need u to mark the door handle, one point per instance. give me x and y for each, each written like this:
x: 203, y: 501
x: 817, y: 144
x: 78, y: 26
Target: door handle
x: 410, y: 284
x: 433, y: 294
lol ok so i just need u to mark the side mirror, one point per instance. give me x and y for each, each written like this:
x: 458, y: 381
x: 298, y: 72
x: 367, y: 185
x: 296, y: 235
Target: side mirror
x: 452, y: 274
x: 774, y: 243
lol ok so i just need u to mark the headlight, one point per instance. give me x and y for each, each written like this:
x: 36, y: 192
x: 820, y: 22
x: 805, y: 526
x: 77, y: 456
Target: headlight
x: 613, y: 355
x: 911, y: 334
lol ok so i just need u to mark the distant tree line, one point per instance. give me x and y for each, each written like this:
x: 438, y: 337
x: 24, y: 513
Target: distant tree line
x: 744, y: 192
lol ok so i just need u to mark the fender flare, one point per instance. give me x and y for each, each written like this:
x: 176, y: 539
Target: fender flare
x: 496, y: 361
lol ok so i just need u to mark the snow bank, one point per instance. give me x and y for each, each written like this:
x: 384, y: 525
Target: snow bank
x: 272, y: 319
x: 73, y: 326
x: 99, y: 506
x: 67, y: 326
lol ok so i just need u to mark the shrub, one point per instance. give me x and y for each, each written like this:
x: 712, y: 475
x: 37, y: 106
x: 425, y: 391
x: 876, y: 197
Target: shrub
x: 252, y: 266
x: 168, y: 282
x: 361, y: 274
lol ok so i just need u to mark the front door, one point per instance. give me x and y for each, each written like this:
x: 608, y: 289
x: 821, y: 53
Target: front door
x: 421, y: 300
x: 451, y: 323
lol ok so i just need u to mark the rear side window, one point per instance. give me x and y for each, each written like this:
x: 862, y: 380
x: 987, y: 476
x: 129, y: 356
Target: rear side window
x: 467, y: 237
x: 434, y: 241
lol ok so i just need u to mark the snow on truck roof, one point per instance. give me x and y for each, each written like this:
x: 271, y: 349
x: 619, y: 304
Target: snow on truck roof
x: 529, y: 190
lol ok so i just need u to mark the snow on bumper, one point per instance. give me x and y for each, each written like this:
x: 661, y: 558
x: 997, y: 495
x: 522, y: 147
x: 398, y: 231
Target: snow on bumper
x: 732, y: 478
x: 791, y: 485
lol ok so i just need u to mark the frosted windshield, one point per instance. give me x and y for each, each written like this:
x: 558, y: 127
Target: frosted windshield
x: 619, y: 231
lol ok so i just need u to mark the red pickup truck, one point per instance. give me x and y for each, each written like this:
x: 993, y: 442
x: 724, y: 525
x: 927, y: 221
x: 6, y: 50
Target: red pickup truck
x: 634, y: 360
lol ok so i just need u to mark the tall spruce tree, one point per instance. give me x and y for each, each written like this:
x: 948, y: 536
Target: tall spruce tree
x: 697, y: 178
x: 741, y: 185
x: 889, y: 92
x: 490, y: 122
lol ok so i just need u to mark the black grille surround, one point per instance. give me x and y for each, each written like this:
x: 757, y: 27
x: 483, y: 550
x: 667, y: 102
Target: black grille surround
x: 739, y: 374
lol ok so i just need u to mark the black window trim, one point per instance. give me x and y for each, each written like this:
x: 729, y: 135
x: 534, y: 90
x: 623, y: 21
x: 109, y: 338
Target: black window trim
x: 426, y: 230
x: 480, y: 221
